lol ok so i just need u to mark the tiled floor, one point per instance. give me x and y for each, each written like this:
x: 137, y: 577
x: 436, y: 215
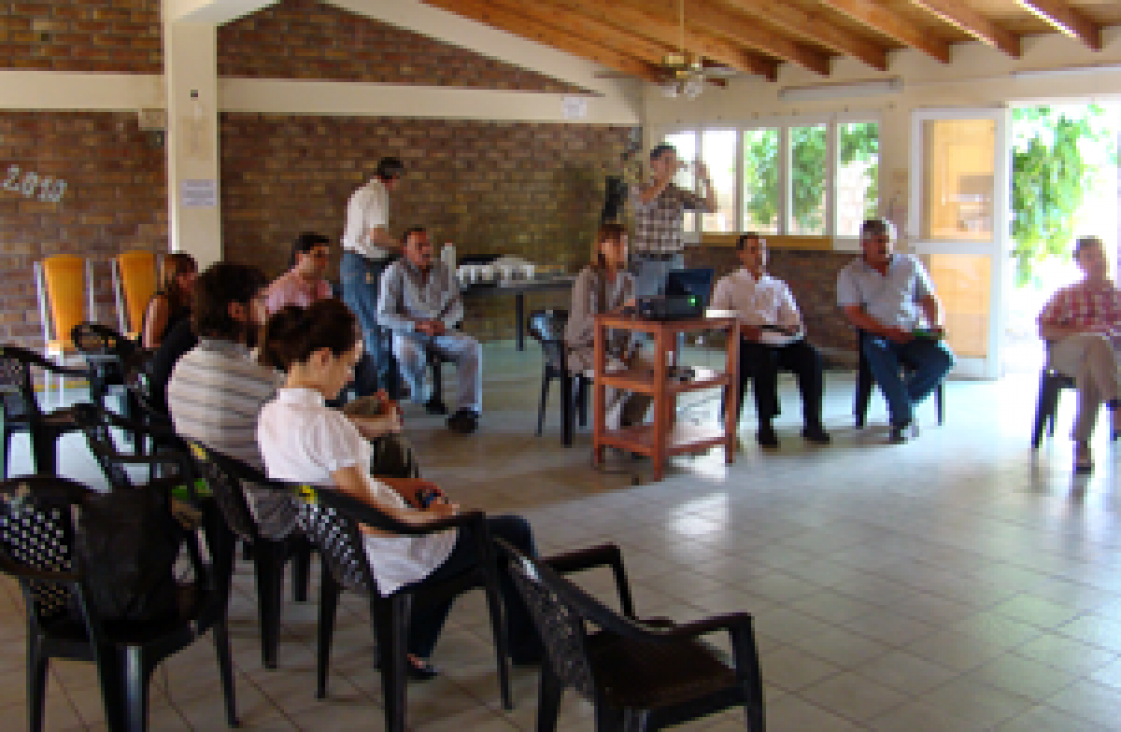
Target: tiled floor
x: 954, y: 583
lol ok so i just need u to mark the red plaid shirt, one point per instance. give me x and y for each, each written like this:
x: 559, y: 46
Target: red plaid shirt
x: 1086, y: 306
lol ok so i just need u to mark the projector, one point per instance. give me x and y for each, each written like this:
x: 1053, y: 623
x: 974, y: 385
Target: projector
x: 672, y: 307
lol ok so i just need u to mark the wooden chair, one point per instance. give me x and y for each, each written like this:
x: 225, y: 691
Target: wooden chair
x: 37, y: 547
x: 65, y: 287
x: 134, y: 283
x: 639, y: 674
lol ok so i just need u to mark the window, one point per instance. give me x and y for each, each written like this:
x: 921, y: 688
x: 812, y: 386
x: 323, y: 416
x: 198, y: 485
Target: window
x: 801, y: 177
x: 858, y: 175
x: 718, y: 152
x: 760, y: 180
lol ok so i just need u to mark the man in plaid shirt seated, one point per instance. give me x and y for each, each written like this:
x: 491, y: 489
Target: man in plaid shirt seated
x: 1082, y: 325
x: 658, y: 244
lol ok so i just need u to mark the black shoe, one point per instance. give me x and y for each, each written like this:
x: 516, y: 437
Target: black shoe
x: 816, y: 434
x: 435, y: 406
x: 419, y: 670
x: 464, y: 421
x: 766, y: 437
x: 904, y: 432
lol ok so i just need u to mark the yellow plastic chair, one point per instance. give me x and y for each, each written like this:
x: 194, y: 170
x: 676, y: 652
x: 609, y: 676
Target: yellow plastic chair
x: 134, y: 283
x: 65, y: 285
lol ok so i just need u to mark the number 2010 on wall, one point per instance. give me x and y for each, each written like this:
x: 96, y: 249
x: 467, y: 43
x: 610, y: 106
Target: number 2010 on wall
x: 51, y: 190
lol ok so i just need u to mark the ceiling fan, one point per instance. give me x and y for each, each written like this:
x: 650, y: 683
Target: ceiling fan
x: 683, y: 73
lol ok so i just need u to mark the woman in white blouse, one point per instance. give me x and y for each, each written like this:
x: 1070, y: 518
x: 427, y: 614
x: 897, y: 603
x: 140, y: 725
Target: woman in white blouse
x: 603, y: 286
x: 302, y: 440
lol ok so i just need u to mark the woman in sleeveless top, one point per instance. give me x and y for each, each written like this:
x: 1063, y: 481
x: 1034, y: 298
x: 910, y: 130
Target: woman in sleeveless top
x: 171, y: 303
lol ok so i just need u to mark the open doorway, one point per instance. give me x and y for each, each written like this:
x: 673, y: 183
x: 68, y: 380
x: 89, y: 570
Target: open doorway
x: 1065, y: 183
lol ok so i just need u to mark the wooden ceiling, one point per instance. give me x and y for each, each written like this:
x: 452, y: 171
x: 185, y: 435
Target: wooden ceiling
x: 756, y: 36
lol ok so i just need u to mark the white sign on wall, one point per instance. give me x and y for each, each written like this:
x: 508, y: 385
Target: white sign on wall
x: 575, y: 107
x: 200, y: 193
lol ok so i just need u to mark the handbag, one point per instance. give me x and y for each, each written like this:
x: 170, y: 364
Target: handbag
x: 126, y: 545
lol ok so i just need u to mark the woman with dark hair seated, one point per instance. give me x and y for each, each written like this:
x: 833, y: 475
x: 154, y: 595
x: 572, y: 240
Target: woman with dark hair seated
x: 303, y: 440
x: 171, y: 303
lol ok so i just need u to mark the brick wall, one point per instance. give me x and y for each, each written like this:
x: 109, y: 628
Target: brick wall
x: 62, y: 35
x: 115, y: 200
x: 306, y: 39
x: 533, y: 190
x: 812, y: 277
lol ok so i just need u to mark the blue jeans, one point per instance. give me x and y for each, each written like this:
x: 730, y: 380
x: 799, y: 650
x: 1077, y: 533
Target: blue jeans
x: 361, y: 283
x: 929, y: 361
x: 426, y: 622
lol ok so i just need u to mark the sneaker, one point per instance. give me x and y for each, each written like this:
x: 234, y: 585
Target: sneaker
x: 464, y: 421
x: 766, y: 437
x: 1083, y: 461
x: 816, y: 434
x: 435, y: 406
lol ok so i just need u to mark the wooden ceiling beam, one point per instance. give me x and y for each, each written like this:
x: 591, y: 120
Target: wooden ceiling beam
x: 882, y: 19
x: 721, y: 21
x: 1067, y: 20
x: 813, y: 27
x: 959, y: 13
x: 502, y: 19
x: 641, y: 22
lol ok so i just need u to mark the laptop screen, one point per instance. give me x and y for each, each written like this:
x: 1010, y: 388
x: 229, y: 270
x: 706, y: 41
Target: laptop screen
x: 695, y: 282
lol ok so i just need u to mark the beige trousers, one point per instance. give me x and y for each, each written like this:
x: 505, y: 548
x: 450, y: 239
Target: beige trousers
x: 621, y: 407
x: 1092, y: 360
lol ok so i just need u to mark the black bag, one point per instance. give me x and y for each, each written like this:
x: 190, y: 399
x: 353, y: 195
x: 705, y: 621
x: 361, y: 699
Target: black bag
x: 126, y: 546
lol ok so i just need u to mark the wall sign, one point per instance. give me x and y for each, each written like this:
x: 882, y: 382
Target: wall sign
x: 51, y: 190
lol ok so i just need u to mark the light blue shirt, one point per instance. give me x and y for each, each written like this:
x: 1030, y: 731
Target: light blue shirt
x: 408, y: 296
x: 892, y: 299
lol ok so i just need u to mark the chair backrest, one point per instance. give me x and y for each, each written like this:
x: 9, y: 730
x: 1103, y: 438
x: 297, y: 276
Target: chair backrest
x: 561, y: 628
x: 223, y: 475
x: 108, y: 353
x: 16, y: 383
x: 547, y: 328
x: 134, y: 283
x: 65, y: 285
x: 324, y: 518
x: 37, y: 535
x: 99, y: 437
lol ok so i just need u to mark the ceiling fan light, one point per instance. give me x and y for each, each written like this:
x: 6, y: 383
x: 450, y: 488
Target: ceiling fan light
x: 670, y: 89
x: 693, y: 87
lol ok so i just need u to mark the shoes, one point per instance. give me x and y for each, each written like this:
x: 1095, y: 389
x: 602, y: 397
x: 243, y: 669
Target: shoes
x: 416, y: 669
x: 435, y: 406
x: 766, y: 436
x: 904, y: 432
x: 1083, y: 461
x: 464, y: 421
x: 816, y: 434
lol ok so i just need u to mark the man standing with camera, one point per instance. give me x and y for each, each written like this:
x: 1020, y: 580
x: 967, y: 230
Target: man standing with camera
x: 658, y: 244
x: 368, y: 248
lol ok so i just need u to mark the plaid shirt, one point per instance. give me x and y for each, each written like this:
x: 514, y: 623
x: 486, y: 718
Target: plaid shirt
x: 657, y: 224
x: 1087, y: 306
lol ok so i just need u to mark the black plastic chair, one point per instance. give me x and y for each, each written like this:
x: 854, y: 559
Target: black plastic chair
x: 226, y: 478
x: 547, y: 328
x: 37, y: 536
x: 640, y: 675
x: 865, y: 381
x: 21, y: 410
x: 1051, y: 385
x: 109, y: 356
x: 331, y: 519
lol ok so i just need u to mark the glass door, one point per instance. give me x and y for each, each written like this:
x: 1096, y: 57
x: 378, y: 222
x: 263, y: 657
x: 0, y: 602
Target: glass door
x: 960, y: 172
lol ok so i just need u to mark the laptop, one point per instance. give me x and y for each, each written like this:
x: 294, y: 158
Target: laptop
x: 691, y: 282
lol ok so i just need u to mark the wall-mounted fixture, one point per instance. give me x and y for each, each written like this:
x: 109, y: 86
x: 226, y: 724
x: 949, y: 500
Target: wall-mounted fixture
x: 1065, y: 71
x: 842, y: 90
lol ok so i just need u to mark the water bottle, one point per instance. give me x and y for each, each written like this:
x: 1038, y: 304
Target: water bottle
x: 447, y: 256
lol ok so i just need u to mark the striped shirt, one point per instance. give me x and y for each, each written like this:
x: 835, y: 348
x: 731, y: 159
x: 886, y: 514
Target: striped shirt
x: 215, y: 395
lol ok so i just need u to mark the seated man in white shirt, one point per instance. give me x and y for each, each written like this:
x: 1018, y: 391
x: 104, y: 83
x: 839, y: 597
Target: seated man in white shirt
x: 420, y: 303
x: 771, y: 338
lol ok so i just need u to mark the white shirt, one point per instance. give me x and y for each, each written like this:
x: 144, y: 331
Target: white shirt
x: 304, y: 441
x: 892, y: 299
x: 766, y: 301
x: 368, y: 208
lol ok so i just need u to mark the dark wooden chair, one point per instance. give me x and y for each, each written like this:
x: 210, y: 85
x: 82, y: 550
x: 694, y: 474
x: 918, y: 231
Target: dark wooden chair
x: 226, y: 478
x: 332, y: 519
x: 865, y: 381
x: 21, y: 412
x: 37, y: 539
x: 640, y: 675
x: 547, y: 328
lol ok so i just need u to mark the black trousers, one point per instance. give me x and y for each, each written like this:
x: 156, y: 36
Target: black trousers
x: 761, y: 364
